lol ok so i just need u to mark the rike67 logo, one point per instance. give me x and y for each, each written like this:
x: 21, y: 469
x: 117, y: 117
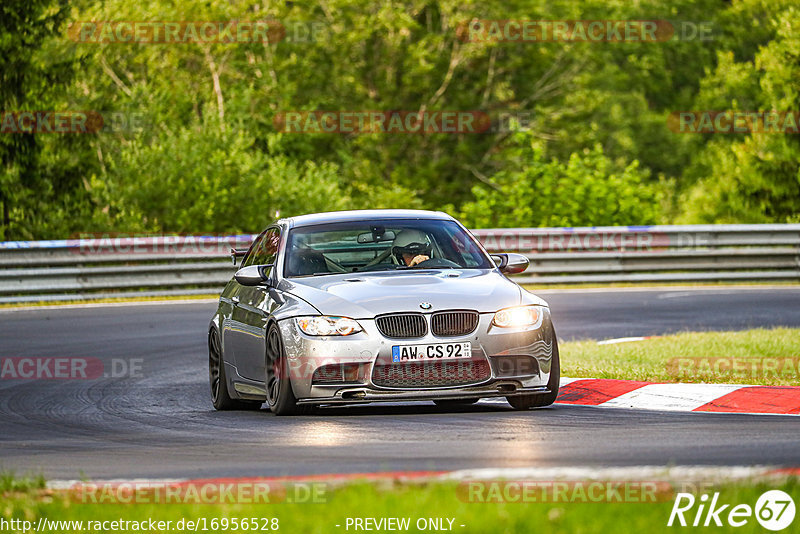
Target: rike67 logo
x: 774, y: 510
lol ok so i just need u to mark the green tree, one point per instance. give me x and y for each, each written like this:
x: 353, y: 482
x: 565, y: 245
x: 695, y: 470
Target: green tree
x: 41, y: 176
x: 584, y: 191
x: 204, y: 179
x: 751, y: 178
x: 209, y: 148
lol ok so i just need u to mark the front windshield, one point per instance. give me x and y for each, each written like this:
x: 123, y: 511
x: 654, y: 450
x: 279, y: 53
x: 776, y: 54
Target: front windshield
x: 381, y: 245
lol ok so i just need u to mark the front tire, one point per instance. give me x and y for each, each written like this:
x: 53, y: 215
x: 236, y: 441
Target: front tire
x: 219, y: 381
x: 278, y: 382
x: 526, y: 402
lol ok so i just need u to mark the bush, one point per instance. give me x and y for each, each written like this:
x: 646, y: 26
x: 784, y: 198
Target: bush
x: 587, y: 190
x: 209, y: 180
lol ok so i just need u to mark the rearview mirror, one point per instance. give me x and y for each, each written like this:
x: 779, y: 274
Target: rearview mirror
x: 511, y: 263
x: 369, y: 237
x: 253, y: 275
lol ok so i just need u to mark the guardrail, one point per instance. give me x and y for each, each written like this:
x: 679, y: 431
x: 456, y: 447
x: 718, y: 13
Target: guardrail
x: 690, y: 253
x: 187, y: 265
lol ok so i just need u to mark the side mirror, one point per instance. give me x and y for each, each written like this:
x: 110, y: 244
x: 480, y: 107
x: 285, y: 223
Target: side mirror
x: 237, y: 253
x: 253, y: 275
x: 511, y: 263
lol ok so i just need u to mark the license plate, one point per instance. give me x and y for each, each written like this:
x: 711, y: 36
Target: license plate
x: 438, y: 351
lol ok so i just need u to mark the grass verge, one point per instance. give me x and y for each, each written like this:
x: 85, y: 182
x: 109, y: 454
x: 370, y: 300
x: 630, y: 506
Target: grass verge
x: 10, y: 483
x: 762, y: 356
x: 573, y: 513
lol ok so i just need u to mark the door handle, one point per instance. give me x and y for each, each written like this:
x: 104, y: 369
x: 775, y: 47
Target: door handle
x: 235, y: 300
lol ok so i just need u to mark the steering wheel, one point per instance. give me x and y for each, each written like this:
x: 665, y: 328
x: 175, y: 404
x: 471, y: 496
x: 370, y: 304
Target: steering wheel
x: 378, y: 259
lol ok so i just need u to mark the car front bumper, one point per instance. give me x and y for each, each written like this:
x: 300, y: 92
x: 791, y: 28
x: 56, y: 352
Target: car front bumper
x: 514, y: 361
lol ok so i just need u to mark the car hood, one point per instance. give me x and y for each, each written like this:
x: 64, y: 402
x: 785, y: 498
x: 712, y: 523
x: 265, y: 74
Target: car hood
x: 364, y: 295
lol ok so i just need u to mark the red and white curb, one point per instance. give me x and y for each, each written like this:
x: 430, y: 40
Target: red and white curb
x: 330, y: 479
x: 720, y: 398
x: 715, y: 474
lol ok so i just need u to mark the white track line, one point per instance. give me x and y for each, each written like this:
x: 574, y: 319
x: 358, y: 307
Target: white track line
x: 138, y: 482
x: 616, y: 340
x: 644, y: 472
x: 664, y: 289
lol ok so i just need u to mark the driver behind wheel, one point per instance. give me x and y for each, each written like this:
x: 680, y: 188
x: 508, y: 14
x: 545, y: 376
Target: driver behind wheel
x: 411, y: 247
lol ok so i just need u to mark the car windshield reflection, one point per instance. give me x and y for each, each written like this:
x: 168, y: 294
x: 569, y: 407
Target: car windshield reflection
x: 381, y: 246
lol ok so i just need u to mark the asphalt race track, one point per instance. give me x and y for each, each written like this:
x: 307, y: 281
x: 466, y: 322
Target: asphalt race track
x: 160, y: 423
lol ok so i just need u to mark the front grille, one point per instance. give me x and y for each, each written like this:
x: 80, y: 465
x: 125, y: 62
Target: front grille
x: 454, y: 323
x: 431, y: 374
x: 402, y: 325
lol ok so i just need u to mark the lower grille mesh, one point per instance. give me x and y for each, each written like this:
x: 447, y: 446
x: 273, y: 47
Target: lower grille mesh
x: 431, y: 374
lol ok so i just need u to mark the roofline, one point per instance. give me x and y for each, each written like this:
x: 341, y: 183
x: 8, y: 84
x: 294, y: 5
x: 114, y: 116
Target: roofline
x: 361, y: 215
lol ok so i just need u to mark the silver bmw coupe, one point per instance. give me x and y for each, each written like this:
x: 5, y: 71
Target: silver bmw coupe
x: 377, y: 305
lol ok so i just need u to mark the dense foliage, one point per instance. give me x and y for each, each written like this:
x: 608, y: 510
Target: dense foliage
x: 197, y: 146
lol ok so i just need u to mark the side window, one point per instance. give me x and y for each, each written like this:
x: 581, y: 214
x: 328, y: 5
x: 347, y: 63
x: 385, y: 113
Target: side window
x: 248, y: 257
x: 265, y: 249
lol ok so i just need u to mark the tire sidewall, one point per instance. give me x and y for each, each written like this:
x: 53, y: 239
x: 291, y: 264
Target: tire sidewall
x: 525, y: 402
x: 285, y: 403
x: 223, y: 400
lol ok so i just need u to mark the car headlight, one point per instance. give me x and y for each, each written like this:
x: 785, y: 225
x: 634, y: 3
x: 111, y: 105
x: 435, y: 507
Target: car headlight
x: 328, y: 325
x: 518, y: 316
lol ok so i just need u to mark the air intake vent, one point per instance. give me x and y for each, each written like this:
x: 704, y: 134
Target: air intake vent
x: 402, y: 325
x: 454, y: 323
x: 521, y: 365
